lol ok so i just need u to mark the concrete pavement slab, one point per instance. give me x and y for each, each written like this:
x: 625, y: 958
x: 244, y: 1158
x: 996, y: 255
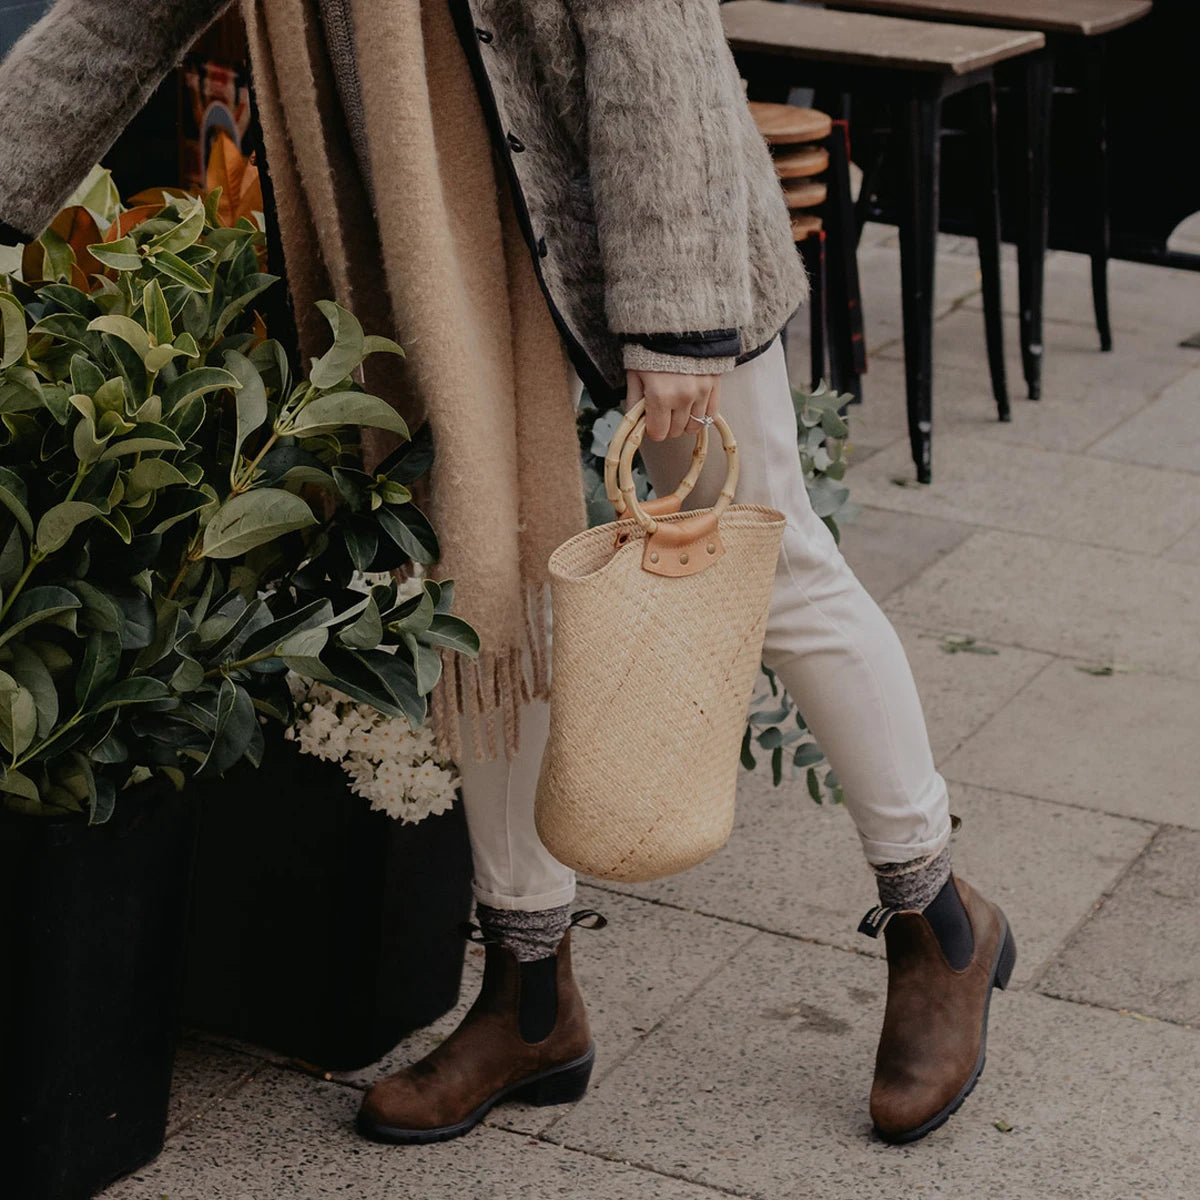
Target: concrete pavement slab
x: 1187, y: 549
x: 760, y: 1085
x: 1141, y: 949
x: 204, y: 1074
x: 288, y: 1136
x: 1124, y: 743
x: 1166, y: 434
x: 1070, y: 417
x: 888, y: 549
x: 956, y: 279
x: 793, y: 868
x: 1029, y: 490
x: 1094, y: 604
x: 1142, y: 298
x: 1073, y: 371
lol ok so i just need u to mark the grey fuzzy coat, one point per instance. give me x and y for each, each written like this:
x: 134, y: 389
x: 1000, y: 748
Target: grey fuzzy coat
x: 647, y: 196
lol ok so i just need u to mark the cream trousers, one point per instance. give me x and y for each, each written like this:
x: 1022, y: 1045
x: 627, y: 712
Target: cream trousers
x: 827, y: 641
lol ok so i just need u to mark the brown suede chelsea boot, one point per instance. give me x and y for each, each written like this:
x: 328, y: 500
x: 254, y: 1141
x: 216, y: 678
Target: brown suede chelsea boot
x: 525, y: 1038
x: 934, y: 1038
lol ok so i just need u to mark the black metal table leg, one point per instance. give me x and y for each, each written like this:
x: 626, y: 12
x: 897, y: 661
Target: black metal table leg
x: 812, y: 251
x: 987, y: 235
x: 1034, y: 75
x: 919, y: 121
x: 848, y: 346
x: 1097, y: 101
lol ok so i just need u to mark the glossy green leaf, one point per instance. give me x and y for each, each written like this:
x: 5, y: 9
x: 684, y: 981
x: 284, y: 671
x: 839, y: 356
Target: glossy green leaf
x: 125, y: 328
x: 251, y: 400
x: 197, y: 382
x: 140, y: 689
x: 347, y: 351
x: 252, y: 518
x: 453, y: 633
x: 55, y: 528
x: 158, y: 315
x: 175, y: 268
x: 411, y: 532
x: 101, y: 661
x: 15, y: 496
x: 18, y: 716
x: 328, y: 414
x: 141, y: 438
x: 121, y: 255
x: 366, y: 631
x: 13, y: 338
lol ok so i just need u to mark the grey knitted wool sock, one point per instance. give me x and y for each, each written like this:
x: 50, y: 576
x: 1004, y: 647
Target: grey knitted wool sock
x: 529, y: 935
x: 912, y: 884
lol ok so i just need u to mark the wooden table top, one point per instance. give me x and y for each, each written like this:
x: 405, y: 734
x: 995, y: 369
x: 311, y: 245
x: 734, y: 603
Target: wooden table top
x: 867, y: 39
x: 1083, y: 18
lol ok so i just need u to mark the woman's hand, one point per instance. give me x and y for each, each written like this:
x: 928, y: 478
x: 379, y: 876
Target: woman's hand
x: 673, y: 399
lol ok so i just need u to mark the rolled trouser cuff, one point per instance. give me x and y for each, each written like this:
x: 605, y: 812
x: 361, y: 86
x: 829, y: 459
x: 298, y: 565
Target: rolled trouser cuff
x: 554, y: 899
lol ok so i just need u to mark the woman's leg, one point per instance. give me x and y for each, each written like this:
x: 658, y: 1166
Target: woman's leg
x: 827, y: 640
x: 840, y: 659
x: 523, y: 894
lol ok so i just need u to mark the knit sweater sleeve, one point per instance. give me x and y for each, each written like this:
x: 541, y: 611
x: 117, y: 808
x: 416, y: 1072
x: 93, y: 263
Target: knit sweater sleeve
x: 72, y: 83
x: 665, y: 113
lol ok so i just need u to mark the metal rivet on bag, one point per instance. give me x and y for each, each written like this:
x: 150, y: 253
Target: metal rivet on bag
x: 683, y: 559
x: 654, y: 556
x: 711, y: 548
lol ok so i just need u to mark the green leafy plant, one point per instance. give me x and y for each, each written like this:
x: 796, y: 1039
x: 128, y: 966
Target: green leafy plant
x: 184, y: 518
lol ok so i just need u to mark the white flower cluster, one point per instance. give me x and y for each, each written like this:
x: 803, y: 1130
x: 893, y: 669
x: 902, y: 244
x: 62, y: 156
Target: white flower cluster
x: 390, y: 764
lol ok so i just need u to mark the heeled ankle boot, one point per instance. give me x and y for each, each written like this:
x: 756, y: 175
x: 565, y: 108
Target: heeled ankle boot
x: 934, y: 1038
x: 525, y: 1038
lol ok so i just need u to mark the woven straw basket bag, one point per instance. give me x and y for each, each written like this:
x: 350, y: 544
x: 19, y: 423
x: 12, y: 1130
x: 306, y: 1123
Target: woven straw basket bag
x: 658, y: 632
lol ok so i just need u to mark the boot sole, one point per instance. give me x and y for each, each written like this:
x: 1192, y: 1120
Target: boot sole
x: 560, y: 1085
x: 1002, y: 969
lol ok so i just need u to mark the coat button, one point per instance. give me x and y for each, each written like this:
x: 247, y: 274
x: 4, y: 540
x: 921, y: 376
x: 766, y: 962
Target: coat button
x: 515, y: 142
x: 484, y: 35
x: 541, y: 248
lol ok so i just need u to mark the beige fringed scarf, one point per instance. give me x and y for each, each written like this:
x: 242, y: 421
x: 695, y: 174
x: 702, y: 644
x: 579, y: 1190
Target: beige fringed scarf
x: 439, y: 263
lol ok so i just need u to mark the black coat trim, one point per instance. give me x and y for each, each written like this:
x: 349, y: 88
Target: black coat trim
x: 711, y: 343
x: 10, y: 235
x: 597, y: 386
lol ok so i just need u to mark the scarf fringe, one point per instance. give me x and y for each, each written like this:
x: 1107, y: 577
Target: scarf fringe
x: 488, y: 692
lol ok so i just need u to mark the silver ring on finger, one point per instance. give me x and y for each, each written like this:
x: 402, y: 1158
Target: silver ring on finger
x: 706, y: 422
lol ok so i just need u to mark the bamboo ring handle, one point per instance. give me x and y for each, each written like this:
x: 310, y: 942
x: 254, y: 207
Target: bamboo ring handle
x: 625, y: 469
x: 612, y: 460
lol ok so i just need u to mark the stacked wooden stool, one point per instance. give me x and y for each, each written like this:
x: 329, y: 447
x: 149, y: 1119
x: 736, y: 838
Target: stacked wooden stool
x: 811, y: 155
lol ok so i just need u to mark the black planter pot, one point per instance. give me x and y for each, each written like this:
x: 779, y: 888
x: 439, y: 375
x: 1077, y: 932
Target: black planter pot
x: 320, y: 929
x: 92, y: 934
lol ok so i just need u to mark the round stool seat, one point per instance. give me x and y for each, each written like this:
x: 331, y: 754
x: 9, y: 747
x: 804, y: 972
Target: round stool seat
x: 805, y: 225
x: 782, y: 124
x: 800, y: 163
x: 805, y: 193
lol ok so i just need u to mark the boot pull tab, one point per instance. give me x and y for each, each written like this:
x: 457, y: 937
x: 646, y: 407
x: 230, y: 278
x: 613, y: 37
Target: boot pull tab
x: 876, y: 920
x: 587, y: 918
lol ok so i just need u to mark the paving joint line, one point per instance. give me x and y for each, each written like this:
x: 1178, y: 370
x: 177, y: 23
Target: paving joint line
x: 992, y: 716
x: 641, y: 1038
x: 1106, y: 894
x: 1073, y: 804
x: 1130, y: 1013
x: 650, y: 1169
x: 899, y: 618
x: 1154, y: 398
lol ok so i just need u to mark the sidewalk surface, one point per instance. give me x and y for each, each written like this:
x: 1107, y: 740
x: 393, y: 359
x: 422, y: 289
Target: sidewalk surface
x: 735, y: 1007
